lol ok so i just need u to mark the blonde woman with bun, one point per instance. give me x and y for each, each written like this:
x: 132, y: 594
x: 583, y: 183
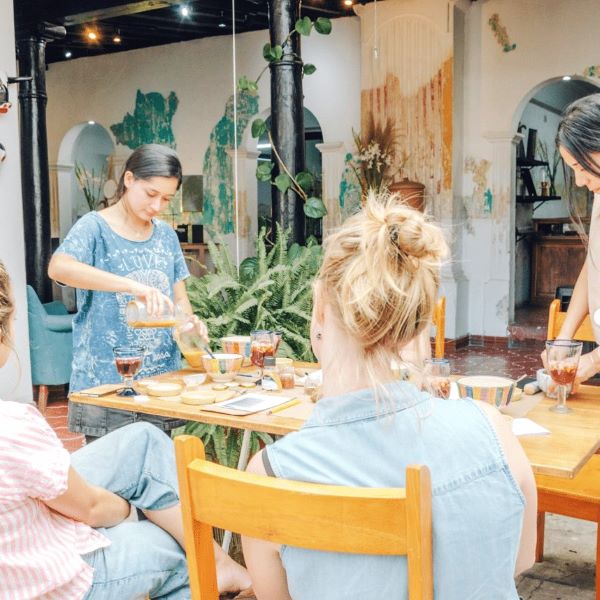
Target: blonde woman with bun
x: 375, y: 294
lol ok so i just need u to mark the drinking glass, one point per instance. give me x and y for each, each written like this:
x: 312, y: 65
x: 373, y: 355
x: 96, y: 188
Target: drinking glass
x: 261, y: 345
x: 436, y: 377
x: 128, y: 360
x: 312, y: 387
x: 563, y: 360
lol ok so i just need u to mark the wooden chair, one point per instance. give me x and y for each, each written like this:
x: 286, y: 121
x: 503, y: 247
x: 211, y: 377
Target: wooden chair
x: 578, y: 497
x: 390, y: 521
x: 439, y: 321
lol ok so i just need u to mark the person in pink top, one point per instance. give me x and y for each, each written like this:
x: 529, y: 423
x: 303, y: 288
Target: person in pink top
x: 68, y: 523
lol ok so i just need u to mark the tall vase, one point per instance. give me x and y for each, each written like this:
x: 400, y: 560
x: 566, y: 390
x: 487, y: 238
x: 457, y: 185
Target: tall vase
x: 412, y: 192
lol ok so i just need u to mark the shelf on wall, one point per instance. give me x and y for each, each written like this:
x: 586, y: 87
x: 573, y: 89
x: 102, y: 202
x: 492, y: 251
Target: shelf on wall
x: 527, y: 162
x: 532, y: 199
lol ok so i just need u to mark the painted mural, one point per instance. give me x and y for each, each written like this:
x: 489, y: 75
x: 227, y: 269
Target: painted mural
x: 501, y: 34
x: 350, y: 191
x: 151, y: 121
x: 219, y: 209
x: 409, y: 80
x: 481, y: 202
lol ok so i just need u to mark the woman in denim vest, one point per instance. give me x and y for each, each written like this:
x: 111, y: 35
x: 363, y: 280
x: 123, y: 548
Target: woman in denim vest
x: 374, y: 294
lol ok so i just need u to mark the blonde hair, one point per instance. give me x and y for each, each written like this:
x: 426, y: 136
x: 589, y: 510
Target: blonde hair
x: 6, y: 305
x: 380, y: 275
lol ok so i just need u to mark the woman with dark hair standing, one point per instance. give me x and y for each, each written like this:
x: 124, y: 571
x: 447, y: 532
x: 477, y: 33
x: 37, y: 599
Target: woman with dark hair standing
x: 578, y: 140
x: 115, y: 255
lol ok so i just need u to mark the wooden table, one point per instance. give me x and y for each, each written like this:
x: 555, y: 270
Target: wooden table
x: 573, y: 439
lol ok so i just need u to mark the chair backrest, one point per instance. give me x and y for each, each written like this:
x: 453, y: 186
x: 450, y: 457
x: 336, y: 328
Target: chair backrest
x: 386, y: 521
x: 439, y: 321
x: 556, y: 318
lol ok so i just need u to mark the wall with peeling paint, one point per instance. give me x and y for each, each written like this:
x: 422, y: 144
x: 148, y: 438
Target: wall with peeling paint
x: 188, y: 87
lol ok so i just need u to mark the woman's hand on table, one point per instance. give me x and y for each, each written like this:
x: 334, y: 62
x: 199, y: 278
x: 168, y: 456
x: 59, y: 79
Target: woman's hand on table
x: 589, y: 365
x: 156, y: 302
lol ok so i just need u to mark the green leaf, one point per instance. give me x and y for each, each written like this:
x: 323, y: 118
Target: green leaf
x: 272, y: 53
x: 283, y: 182
x: 259, y: 127
x: 305, y: 180
x: 252, y: 86
x: 243, y: 83
x: 314, y: 208
x: 308, y: 69
x: 323, y: 25
x: 303, y: 26
x: 249, y: 269
x: 263, y: 170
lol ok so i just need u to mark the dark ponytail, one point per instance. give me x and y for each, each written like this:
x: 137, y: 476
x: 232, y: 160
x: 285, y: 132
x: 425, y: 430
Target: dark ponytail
x: 151, y: 160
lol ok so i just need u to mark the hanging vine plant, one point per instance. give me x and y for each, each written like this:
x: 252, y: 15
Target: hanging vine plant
x: 303, y: 182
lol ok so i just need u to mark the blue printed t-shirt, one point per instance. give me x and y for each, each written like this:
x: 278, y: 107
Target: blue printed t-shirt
x: 100, y: 323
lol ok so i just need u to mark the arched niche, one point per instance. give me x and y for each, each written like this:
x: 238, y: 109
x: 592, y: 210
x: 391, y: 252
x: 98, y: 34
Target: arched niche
x: 540, y: 109
x: 87, y: 144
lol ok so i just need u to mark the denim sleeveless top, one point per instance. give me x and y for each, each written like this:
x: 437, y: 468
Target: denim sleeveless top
x: 477, y: 505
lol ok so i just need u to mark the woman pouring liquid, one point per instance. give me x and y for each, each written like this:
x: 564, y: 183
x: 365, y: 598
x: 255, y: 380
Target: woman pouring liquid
x: 121, y: 253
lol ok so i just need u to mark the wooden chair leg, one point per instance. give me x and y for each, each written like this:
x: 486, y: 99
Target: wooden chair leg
x: 539, y: 547
x: 598, y: 562
x: 43, y: 398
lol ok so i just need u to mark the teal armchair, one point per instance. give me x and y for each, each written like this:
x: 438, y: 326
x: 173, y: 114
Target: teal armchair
x: 50, y: 344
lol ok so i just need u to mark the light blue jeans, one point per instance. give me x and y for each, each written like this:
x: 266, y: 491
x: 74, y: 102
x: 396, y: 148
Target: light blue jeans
x: 136, y: 462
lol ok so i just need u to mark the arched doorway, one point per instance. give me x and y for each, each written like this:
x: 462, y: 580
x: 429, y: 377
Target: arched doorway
x: 542, y: 220
x: 313, y: 135
x: 87, y: 146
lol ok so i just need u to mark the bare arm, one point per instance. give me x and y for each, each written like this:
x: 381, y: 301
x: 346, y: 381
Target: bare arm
x: 578, y: 306
x: 262, y: 558
x: 89, y: 503
x: 69, y: 271
x: 521, y: 470
x: 181, y: 298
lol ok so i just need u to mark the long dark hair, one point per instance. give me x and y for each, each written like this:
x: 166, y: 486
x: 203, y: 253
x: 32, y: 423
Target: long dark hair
x: 151, y: 160
x: 579, y: 131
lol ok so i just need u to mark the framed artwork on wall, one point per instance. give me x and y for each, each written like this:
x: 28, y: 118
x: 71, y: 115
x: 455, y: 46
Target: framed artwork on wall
x: 191, y: 193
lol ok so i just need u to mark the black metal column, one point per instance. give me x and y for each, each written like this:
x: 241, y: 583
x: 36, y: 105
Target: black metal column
x: 287, y: 115
x: 35, y: 181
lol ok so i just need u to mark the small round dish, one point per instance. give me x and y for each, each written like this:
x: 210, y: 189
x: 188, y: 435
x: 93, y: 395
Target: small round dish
x: 164, y: 389
x: 198, y: 398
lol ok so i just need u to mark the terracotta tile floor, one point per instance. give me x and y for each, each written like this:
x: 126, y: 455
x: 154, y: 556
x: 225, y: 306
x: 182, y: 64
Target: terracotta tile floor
x: 472, y: 360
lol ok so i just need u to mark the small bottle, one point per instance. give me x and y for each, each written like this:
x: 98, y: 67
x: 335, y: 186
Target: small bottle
x: 270, y: 379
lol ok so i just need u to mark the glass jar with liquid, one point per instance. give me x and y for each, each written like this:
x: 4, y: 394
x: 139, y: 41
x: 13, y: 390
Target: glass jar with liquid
x: 137, y: 315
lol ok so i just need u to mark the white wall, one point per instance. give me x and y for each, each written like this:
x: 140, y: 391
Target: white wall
x: 200, y: 73
x: 15, y: 377
x: 553, y: 38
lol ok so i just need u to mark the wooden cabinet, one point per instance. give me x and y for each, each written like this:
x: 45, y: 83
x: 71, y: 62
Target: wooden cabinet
x: 556, y: 260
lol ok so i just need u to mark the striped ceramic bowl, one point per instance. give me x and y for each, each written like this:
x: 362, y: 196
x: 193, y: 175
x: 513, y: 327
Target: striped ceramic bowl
x: 493, y: 390
x: 236, y: 344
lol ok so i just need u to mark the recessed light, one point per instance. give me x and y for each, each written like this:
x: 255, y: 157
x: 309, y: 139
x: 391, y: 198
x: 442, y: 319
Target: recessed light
x: 117, y: 39
x: 68, y: 54
x: 348, y: 2
x: 92, y: 35
x: 566, y: 78
x: 91, y: 122
x: 184, y: 11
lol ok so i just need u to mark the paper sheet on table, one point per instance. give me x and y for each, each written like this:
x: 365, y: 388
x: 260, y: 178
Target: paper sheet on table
x: 524, y: 426
x: 247, y: 404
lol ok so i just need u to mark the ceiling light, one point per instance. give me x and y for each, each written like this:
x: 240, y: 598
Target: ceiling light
x: 91, y: 35
x: 348, y: 2
x: 222, y: 24
x: 91, y: 122
x: 184, y: 11
x: 68, y: 54
x: 566, y: 78
x: 117, y: 39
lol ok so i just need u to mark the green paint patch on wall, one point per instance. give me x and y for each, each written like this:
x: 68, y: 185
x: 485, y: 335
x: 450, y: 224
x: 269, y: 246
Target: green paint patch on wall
x: 350, y: 191
x: 150, y: 123
x: 218, y: 210
x: 501, y: 34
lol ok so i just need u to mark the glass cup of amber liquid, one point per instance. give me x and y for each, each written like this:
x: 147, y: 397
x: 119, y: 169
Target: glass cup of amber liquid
x: 436, y: 377
x: 128, y: 360
x: 261, y: 344
x: 563, y: 360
